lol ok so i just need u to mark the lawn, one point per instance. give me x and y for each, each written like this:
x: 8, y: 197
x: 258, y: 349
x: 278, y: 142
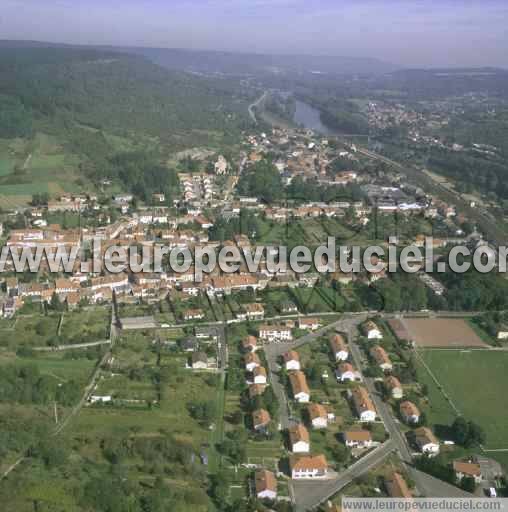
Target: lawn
x: 476, y: 382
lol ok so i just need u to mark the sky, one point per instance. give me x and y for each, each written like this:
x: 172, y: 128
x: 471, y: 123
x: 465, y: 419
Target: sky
x: 402, y: 32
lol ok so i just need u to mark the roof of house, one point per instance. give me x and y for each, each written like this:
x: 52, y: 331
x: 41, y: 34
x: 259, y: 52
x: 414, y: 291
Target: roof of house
x: 424, y: 435
x: 408, y: 408
x: 337, y: 343
x: 308, y: 321
x: 369, y: 325
x: 345, y: 367
x: 397, y: 486
x: 259, y: 371
x: 316, y: 411
x: 380, y: 355
x: 392, y: 382
x: 298, y: 433
x: 307, y: 462
x: 361, y: 400
x: 298, y: 383
x: 466, y: 468
x: 199, y: 357
x: 256, y: 390
x: 265, y: 481
x: 357, y: 435
x: 252, y: 357
x: 260, y: 417
x: 249, y: 341
x: 292, y: 355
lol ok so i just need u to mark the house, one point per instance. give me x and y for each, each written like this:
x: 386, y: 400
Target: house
x: 372, y: 331
x: 299, y: 439
x: 396, y: 486
x: 250, y: 344
x: 251, y: 361
x: 193, y: 314
x: 338, y: 347
x: 260, y: 420
x: 291, y: 360
x: 346, y: 373
x: 189, y: 345
x: 379, y: 355
x: 256, y: 390
x: 288, y: 307
x: 259, y: 374
x: 502, y: 333
x: 426, y: 441
x: 9, y: 308
x: 309, y: 324
x: 199, y: 361
x: 308, y: 466
x: 467, y: 469
x: 393, y: 387
x: 363, y: 404
x: 265, y: 484
x: 409, y: 412
x: 299, y: 387
x: 319, y: 416
x: 275, y: 333
x: 254, y: 311
x: 358, y: 438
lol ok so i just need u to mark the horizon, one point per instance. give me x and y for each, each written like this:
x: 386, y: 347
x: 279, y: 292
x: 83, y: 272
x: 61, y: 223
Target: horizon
x: 447, y: 34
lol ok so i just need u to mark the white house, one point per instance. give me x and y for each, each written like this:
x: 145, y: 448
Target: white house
x: 299, y: 439
x: 275, y: 333
x: 394, y: 387
x: 259, y: 375
x: 266, y: 485
x: 372, y: 331
x: 252, y: 361
x: 339, y: 348
x: 301, y: 391
x: 409, y: 412
x: 308, y: 466
x: 319, y: 416
x: 291, y: 360
x: 467, y: 469
x: 358, y: 439
x: 346, y: 373
x: 426, y: 441
x: 363, y: 404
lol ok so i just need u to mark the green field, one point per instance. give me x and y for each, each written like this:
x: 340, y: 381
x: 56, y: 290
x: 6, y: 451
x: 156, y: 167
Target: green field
x: 476, y: 382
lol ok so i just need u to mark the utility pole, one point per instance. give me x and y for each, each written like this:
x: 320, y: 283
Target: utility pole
x: 56, y: 413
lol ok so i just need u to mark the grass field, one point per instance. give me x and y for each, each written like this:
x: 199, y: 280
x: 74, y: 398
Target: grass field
x: 476, y: 382
x: 35, y: 166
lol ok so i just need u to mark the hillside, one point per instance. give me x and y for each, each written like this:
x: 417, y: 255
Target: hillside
x: 93, y: 104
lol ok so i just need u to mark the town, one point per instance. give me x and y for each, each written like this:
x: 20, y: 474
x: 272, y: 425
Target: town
x: 291, y: 389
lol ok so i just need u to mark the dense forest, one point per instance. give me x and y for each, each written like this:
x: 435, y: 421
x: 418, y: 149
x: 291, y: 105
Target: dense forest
x: 99, y: 104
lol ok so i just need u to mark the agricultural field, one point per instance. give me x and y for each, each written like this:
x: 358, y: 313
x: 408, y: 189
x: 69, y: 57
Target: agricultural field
x: 476, y: 382
x: 85, y: 326
x: 36, y: 331
x: 441, y: 332
x: 35, y: 166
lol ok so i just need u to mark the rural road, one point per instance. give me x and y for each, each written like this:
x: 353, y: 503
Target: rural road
x: 256, y: 104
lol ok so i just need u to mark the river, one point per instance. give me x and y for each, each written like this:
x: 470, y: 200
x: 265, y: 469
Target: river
x: 309, y: 117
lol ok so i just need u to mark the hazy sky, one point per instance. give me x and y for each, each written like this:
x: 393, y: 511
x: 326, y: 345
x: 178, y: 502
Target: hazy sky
x: 404, y: 32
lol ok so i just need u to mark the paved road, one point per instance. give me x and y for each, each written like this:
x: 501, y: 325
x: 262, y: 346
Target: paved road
x: 309, y: 495
x: 71, y: 347
x: 255, y: 104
